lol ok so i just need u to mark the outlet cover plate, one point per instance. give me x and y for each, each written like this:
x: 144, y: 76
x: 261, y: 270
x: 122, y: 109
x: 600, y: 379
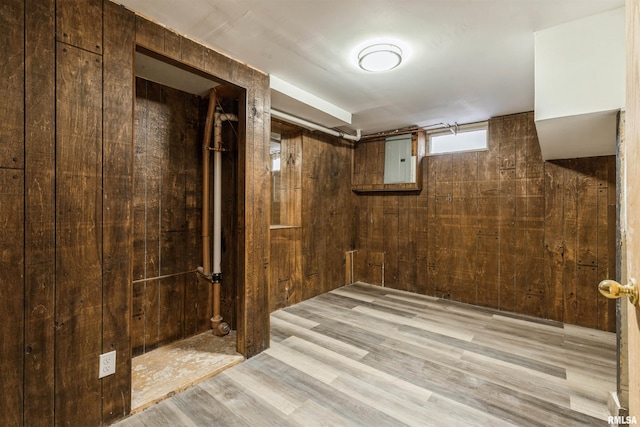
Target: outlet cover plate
x: 107, y: 364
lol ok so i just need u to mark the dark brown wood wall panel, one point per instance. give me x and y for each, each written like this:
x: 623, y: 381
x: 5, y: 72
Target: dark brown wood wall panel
x: 328, y: 212
x: 39, y: 212
x: 229, y: 259
x: 310, y: 260
x: 173, y: 117
x: 11, y: 296
x: 67, y: 204
x: 12, y: 211
x: 257, y: 215
x: 119, y: 33
x: 12, y: 88
x: 286, y: 267
x: 498, y: 228
x: 167, y: 204
x: 79, y: 24
x: 79, y: 246
x: 197, y: 292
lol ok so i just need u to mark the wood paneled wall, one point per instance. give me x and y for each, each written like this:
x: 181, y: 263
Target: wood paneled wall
x: 499, y: 228
x: 66, y: 203
x: 167, y: 218
x: 286, y: 194
x: 310, y: 260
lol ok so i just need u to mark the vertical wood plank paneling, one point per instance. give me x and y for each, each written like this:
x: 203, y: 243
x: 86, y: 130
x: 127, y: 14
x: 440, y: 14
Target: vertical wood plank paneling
x: 500, y: 228
x: 607, y: 216
x: 468, y: 212
x: 138, y: 307
x: 119, y: 89
x: 167, y: 209
x: 327, y: 205
x: 586, y: 243
x: 193, y: 217
x: 262, y: 135
x: 285, y: 280
x: 310, y: 206
x: 80, y: 199
x: 323, y: 216
x: 508, y: 208
x: 532, y: 258
x: 252, y: 268
x: 12, y: 88
x: 230, y: 241
x: 310, y: 260
x: 244, y: 133
x: 11, y: 278
x: 391, y: 231
x: 422, y: 235
x: 430, y: 178
x: 78, y: 235
x: 173, y: 248
x: 12, y: 213
x: 554, y: 239
x: 79, y: 24
x: 156, y: 120
x: 570, y: 270
x: 254, y: 334
x: 408, y: 231
x: 39, y: 211
x: 295, y: 160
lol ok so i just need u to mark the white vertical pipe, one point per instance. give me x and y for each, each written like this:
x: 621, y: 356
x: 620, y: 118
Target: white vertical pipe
x: 217, y: 189
x: 217, y: 209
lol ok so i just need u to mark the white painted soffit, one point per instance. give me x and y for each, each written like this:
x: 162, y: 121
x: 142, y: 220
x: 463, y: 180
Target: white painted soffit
x: 166, y: 74
x: 582, y: 135
x: 291, y: 99
x: 580, y: 85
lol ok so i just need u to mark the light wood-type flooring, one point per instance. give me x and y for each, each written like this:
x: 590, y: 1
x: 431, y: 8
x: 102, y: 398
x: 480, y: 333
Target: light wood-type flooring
x: 370, y: 356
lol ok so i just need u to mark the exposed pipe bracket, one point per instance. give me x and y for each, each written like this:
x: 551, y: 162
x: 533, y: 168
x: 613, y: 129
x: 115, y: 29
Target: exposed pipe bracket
x: 201, y: 273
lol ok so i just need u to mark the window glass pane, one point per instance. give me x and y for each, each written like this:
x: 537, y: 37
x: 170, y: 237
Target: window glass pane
x: 462, y: 141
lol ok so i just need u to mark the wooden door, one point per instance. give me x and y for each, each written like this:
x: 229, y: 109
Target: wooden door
x: 632, y: 203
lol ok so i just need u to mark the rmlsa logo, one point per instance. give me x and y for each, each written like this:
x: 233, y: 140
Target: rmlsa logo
x: 620, y: 420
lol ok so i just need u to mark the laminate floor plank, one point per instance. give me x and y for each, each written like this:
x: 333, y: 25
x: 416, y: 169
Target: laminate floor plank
x: 304, y: 363
x: 365, y: 355
x: 491, y: 350
x: 202, y: 410
x: 248, y: 406
x: 398, y: 320
x: 356, y: 369
x: 339, y: 346
x: 312, y: 414
x: 326, y: 395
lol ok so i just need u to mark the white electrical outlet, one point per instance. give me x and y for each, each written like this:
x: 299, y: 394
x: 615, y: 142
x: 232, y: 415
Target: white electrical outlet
x: 107, y: 364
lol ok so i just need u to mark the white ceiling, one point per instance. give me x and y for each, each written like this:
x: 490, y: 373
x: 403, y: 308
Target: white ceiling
x: 466, y: 60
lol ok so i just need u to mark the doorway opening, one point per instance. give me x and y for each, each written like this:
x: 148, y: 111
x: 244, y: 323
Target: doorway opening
x: 174, y: 299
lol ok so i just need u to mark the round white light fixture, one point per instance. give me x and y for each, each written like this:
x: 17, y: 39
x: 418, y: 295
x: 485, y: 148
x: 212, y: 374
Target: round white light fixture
x: 380, y: 57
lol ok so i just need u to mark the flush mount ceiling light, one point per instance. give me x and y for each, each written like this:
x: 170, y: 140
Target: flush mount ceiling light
x: 380, y: 57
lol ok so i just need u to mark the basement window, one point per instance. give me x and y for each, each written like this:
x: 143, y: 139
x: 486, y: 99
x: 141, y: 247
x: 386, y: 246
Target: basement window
x: 458, y: 138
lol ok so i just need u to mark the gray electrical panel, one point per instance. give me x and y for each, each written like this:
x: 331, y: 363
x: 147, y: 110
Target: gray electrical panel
x: 399, y: 164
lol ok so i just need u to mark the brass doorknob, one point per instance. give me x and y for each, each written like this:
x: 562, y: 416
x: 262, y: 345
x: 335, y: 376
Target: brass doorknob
x: 613, y: 289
